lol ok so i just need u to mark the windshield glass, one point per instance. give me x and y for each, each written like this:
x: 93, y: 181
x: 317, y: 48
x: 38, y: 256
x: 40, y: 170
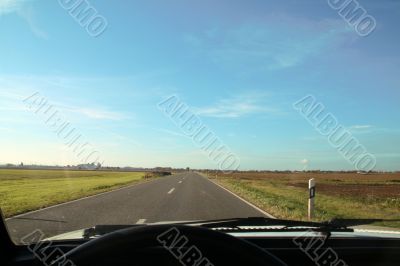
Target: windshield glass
x: 137, y: 112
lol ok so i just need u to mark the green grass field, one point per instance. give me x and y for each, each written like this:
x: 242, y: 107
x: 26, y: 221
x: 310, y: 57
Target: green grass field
x: 26, y: 190
x: 338, y: 195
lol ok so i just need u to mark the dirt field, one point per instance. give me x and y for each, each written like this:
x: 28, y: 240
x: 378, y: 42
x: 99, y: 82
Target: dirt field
x: 337, y: 184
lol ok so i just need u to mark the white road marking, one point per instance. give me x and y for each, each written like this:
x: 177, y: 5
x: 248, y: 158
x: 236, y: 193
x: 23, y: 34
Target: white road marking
x: 172, y: 190
x: 141, y: 221
x: 240, y: 198
x: 180, y: 182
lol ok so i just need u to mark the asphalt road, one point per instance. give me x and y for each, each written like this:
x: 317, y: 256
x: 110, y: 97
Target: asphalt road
x: 182, y: 197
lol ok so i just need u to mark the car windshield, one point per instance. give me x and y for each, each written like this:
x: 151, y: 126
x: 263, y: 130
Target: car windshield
x: 139, y: 112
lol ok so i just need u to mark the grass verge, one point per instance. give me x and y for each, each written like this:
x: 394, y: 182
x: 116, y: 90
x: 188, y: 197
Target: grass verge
x: 289, y: 202
x: 27, y: 190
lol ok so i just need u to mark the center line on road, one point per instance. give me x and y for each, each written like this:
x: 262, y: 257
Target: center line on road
x: 141, y: 221
x: 172, y: 190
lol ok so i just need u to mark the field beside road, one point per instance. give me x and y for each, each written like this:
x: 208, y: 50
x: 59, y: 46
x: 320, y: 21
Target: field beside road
x: 339, y: 195
x: 26, y: 190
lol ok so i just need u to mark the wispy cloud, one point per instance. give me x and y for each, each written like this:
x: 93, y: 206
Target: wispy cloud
x: 93, y: 113
x: 24, y: 11
x: 368, y: 129
x: 10, y: 6
x: 28, y: 14
x: 7, y: 129
x: 170, y: 132
x: 237, y: 106
x: 364, y: 129
x: 89, y: 111
x: 99, y: 114
x: 15, y: 90
x: 360, y: 127
x: 277, y: 43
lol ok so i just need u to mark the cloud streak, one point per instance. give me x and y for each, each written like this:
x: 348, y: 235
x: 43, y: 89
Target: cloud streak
x: 272, y: 45
x: 237, y: 107
x: 10, y: 6
x: 15, y: 90
x: 99, y: 114
x: 25, y: 12
x: 356, y: 127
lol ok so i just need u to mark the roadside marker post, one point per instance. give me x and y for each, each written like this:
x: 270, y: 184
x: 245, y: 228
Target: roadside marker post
x: 311, y: 189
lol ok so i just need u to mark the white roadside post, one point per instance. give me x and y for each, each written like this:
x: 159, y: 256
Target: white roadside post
x: 311, y: 188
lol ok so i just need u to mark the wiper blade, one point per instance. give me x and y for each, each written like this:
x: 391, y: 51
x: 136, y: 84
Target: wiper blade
x: 251, y: 224
x: 100, y: 230
x: 268, y: 224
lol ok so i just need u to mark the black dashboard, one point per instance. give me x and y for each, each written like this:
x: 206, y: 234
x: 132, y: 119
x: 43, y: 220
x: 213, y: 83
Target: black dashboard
x: 354, y: 251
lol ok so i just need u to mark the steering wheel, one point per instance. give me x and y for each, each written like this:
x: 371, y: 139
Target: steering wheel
x: 127, y: 241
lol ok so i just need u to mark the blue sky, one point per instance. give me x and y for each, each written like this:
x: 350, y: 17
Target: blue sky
x: 240, y: 65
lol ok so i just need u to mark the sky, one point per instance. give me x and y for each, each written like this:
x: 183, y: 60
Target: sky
x: 239, y: 65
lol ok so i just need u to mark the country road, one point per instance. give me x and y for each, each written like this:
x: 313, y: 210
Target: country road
x: 182, y: 197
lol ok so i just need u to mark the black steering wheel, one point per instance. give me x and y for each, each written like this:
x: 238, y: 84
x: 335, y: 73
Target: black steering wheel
x: 127, y: 241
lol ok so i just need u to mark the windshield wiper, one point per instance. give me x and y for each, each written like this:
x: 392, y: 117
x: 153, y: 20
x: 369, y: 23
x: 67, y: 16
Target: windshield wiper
x: 100, y: 230
x: 251, y: 224
x: 262, y: 224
